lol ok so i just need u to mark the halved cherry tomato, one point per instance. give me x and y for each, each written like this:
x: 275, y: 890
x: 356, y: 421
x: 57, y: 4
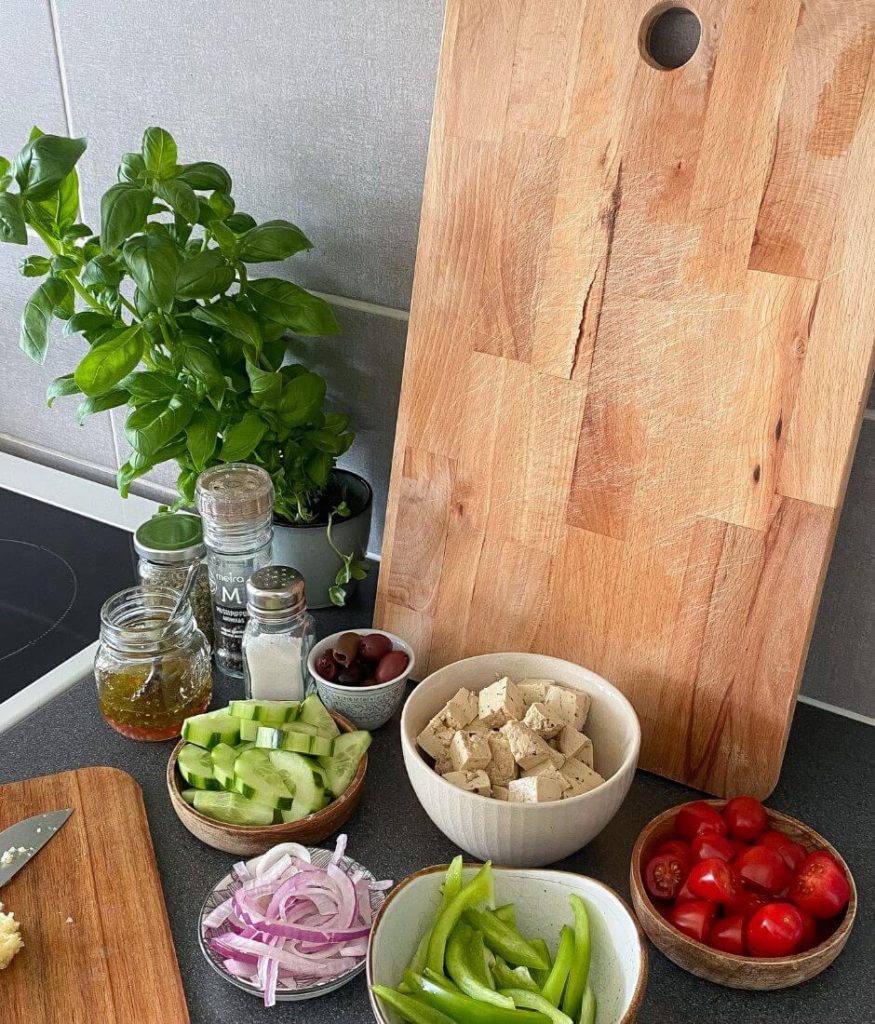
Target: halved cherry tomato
x: 746, y: 903
x: 698, y: 817
x: 727, y: 935
x: 810, y: 937
x: 664, y: 874
x: 820, y: 886
x: 762, y: 868
x: 746, y: 817
x: 711, y: 844
x: 694, y: 918
x: 676, y: 846
x: 774, y: 930
x: 793, y: 853
x: 713, y: 879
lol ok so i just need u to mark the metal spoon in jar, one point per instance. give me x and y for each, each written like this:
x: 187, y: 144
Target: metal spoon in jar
x: 153, y: 679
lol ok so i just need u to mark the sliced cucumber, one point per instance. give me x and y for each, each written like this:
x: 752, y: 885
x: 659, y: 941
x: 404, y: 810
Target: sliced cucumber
x: 196, y: 767
x: 341, y: 766
x: 232, y: 808
x: 291, y: 739
x: 298, y: 775
x: 313, y: 712
x: 212, y: 728
x: 268, y: 712
x: 256, y: 778
x: 245, y: 745
x: 224, y: 758
x: 188, y: 795
x: 248, y: 729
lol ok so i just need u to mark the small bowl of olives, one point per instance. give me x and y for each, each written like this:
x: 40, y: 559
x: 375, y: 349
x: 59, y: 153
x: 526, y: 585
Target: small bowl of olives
x: 362, y: 674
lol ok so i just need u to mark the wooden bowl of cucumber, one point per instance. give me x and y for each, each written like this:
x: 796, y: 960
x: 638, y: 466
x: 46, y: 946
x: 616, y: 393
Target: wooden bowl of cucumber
x: 244, y: 784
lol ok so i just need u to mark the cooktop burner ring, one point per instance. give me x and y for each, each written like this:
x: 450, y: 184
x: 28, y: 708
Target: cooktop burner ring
x: 73, y: 583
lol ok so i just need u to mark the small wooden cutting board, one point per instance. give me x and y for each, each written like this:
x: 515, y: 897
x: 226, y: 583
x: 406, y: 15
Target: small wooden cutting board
x: 97, y: 944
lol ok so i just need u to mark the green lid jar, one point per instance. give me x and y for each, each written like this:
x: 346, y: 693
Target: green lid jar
x: 167, y: 545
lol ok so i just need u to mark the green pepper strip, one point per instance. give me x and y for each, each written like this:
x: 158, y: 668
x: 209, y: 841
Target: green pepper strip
x: 436, y: 992
x: 535, y: 1001
x: 466, y: 965
x: 478, y: 890
x: 506, y: 913
x: 519, y: 977
x: 410, y: 1009
x: 588, y: 1008
x: 555, y: 983
x: 452, y: 885
x: 541, y: 976
x: 506, y: 941
x: 577, y: 977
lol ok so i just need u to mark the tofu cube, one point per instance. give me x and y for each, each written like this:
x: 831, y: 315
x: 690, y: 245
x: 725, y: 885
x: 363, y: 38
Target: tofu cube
x: 534, y: 790
x: 572, y: 706
x: 460, y: 710
x: 473, y: 782
x: 477, y: 728
x: 574, y: 744
x: 546, y: 770
x: 499, y: 793
x: 534, y: 690
x: 469, y: 752
x: 542, y: 719
x: 435, y: 738
x: 527, y: 747
x: 500, y: 703
x: 443, y: 764
x: 502, y: 768
x: 582, y: 777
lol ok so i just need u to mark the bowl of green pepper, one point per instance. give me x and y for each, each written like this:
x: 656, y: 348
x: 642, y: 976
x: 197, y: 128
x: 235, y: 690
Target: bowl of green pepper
x: 492, y: 945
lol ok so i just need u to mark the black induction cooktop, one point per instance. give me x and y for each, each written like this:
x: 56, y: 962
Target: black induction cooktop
x: 56, y: 570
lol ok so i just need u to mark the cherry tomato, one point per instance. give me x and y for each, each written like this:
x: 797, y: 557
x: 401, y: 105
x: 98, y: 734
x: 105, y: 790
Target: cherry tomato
x: 745, y: 817
x: 685, y: 893
x: 698, y: 817
x: 694, y: 918
x: 793, y: 853
x: 810, y: 937
x: 737, y: 846
x: 820, y: 886
x: 727, y: 935
x: 710, y: 844
x: 774, y: 930
x: 676, y: 846
x: 713, y: 879
x: 664, y: 875
x: 762, y: 868
x: 746, y: 902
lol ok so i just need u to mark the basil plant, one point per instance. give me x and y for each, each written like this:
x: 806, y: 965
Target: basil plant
x: 176, y: 329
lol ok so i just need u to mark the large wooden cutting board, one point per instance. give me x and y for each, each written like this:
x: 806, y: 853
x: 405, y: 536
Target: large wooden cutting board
x: 113, y: 962
x: 640, y: 341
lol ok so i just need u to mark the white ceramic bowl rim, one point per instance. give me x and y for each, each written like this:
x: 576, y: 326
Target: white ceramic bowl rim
x: 324, y: 643
x: 631, y: 758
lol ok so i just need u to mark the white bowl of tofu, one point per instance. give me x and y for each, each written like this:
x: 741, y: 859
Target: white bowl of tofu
x: 519, y: 758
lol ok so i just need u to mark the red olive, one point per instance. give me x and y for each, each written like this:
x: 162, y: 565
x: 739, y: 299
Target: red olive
x: 350, y: 675
x: 391, y: 666
x: 375, y: 646
x: 346, y: 649
x: 326, y: 666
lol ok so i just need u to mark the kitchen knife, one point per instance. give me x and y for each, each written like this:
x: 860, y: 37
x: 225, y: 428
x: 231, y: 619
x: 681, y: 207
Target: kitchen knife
x: 21, y: 842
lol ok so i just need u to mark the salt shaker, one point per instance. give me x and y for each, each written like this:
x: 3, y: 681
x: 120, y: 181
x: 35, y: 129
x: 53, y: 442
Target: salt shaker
x: 278, y: 636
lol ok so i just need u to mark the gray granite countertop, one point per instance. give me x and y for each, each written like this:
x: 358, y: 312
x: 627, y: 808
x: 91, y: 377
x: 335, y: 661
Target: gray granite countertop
x: 827, y: 781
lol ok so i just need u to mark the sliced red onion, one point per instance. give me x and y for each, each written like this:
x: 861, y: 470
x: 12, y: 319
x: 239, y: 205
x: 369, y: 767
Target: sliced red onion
x: 220, y: 914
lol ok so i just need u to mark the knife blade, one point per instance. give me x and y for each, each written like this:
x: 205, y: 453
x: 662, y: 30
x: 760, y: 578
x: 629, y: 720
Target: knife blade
x: 21, y: 842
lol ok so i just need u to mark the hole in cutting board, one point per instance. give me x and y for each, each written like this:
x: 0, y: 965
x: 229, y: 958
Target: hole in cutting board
x: 669, y: 37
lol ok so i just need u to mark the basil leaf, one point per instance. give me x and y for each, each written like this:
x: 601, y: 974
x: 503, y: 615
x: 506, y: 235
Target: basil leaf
x: 44, y: 162
x: 151, y: 385
x: 241, y: 439
x: 86, y: 321
x: 101, y: 272
x: 63, y: 307
x: 107, y: 363
x: 267, y: 386
x: 200, y: 357
x: 240, y: 222
x: 34, y: 266
x: 234, y: 321
x: 204, y: 275
x: 37, y: 315
x: 336, y: 422
x: 123, y: 210
x: 319, y: 467
x: 132, y: 168
x: 151, y: 426
x: 159, y: 153
x: 61, y: 387
x: 100, y: 403
x: 293, y: 307
x: 221, y: 204
x: 271, y: 241
x: 12, y: 224
x: 325, y: 441
x: 301, y: 397
x: 180, y: 197
x: 152, y: 261
x: 136, y: 466
x: 68, y: 201
x: 206, y: 176
x: 202, y: 436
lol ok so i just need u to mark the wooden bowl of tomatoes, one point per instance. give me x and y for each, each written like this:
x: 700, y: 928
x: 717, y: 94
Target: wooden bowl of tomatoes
x: 741, y: 895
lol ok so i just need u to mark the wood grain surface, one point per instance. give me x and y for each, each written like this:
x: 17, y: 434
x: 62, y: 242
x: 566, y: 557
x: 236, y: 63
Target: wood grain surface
x: 97, y: 943
x: 640, y: 343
